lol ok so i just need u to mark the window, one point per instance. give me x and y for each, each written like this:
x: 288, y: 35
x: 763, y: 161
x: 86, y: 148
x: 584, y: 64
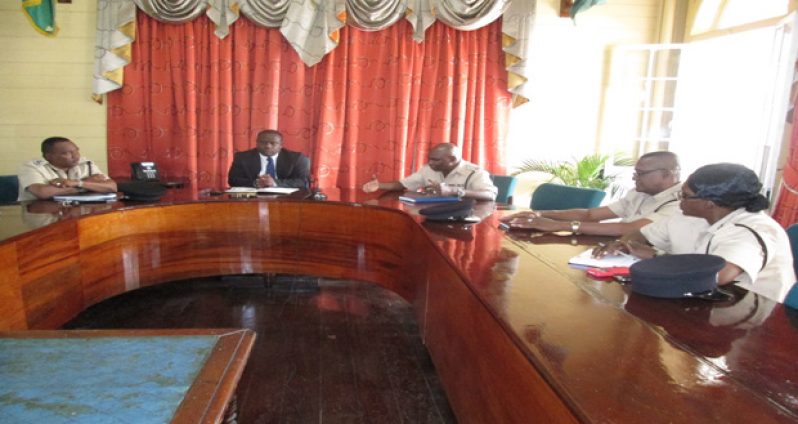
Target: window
x: 720, y: 99
x: 639, y: 104
x: 731, y: 100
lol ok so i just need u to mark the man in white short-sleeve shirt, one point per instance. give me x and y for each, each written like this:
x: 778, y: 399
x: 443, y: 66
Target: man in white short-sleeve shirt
x: 445, y: 174
x: 656, y: 178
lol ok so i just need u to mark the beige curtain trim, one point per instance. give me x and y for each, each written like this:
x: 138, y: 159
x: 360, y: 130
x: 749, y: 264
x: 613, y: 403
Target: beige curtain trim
x: 511, y: 59
x: 115, y: 32
x: 173, y: 11
x: 374, y: 15
x: 311, y: 28
x: 469, y: 15
x: 515, y: 80
x: 223, y: 13
x: 517, y: 25
x: 128, y: 30
x: 421, y: 16
x: 115, y: 75
x: 269, y: 14
x: 123, y: 52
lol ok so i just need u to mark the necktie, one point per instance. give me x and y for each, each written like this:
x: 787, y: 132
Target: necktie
x: 270, y: 167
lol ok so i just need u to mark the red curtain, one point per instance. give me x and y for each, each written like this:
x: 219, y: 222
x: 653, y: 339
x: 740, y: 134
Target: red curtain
x: 786, y: 210
x: 374, y: 105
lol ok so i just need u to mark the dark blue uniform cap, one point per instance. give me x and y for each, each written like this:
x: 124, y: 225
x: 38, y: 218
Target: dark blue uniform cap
x: 675, y: 276
x: 142, y: 191
x: 455, y: 211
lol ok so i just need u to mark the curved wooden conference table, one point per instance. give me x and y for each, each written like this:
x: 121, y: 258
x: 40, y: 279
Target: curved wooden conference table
x: 515, y: 334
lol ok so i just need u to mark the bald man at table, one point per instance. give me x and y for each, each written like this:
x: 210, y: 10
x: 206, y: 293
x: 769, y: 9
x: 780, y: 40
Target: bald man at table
x: 656, y: 177
x: 446, y: 174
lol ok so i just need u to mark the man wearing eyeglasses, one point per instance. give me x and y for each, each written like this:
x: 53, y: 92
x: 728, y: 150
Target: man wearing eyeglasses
x: 657, y: 183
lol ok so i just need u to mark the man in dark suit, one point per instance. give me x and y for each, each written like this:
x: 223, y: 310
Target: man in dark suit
x: 269, y: 165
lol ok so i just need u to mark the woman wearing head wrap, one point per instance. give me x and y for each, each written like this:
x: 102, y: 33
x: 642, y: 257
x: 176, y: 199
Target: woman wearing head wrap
x: 722, y: 215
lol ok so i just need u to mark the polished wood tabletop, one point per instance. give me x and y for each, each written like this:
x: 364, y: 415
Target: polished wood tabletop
x: 516, y: 335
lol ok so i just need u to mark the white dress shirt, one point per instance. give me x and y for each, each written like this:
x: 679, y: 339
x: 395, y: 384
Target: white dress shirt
x: 264, y: 162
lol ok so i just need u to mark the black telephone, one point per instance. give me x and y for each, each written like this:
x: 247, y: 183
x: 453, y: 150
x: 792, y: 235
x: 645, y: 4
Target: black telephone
x: 144, y: 171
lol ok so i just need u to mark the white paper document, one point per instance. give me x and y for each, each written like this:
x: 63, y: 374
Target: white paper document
x: 86, y: 197
x: 586, y: 259
x: 265, y: 190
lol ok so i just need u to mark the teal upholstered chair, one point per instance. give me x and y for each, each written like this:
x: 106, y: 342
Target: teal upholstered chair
x: 506, y: 185
x: 792, y: 297
x: 550, y: 196
x: 792, y: 234
x: 9, y: 188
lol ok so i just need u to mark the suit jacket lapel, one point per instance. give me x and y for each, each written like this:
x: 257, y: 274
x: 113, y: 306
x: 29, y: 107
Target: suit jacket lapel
x: 283, y: 167
x: 252, y: 164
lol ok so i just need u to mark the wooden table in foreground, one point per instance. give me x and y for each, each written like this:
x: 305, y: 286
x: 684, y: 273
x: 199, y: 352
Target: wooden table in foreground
x: 515, y: 334
x: 126, y: 376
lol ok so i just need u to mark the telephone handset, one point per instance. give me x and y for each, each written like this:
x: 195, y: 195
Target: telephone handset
x: 144, y: 171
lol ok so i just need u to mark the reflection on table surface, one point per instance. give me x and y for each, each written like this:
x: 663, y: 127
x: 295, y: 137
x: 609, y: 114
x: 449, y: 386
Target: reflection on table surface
x: 596, y: 342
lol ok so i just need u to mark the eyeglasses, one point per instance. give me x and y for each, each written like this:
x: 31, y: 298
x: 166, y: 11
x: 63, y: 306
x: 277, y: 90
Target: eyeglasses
x: 681, y: 196
x: 637, y: 174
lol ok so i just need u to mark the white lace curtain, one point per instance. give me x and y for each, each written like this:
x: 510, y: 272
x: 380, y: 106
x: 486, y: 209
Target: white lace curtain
x: 311, y: 26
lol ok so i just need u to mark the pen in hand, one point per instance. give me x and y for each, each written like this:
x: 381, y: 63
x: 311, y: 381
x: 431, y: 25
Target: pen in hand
x: 614, y: 248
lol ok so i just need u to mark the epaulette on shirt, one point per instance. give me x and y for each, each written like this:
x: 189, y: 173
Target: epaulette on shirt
x: 470, y: 167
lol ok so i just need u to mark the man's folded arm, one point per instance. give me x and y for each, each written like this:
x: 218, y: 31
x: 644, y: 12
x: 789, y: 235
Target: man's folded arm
x: 47, y: 191
x: 100, y: 186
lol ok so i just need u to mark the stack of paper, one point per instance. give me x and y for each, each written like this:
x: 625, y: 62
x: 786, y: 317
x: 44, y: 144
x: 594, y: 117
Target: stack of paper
x: 265, y: 190
x: 586, y: 259
x: 86, y: 197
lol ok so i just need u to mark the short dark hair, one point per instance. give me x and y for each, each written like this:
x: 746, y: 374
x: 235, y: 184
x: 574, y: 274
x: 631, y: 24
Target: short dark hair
x: 275, y: 132
x: 668, y: 159
x: 728, y: 185
x: 49, y: 143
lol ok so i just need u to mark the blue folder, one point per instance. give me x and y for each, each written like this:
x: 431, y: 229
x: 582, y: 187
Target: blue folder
x: 427, y: 198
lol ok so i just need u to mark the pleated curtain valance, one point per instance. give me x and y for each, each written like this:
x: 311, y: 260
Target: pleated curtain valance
x: 311, y: 26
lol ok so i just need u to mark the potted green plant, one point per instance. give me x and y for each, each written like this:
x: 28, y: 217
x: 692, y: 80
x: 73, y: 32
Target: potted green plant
x: 587, y: 172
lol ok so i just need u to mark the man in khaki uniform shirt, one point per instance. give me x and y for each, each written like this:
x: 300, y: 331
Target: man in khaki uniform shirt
x: 445, y: 174
x: 656, y: 178
x: 62, y: 171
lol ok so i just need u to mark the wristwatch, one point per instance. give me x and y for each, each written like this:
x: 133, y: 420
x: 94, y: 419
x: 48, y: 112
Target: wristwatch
x: 575, y: 227
x: 460, y: 192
